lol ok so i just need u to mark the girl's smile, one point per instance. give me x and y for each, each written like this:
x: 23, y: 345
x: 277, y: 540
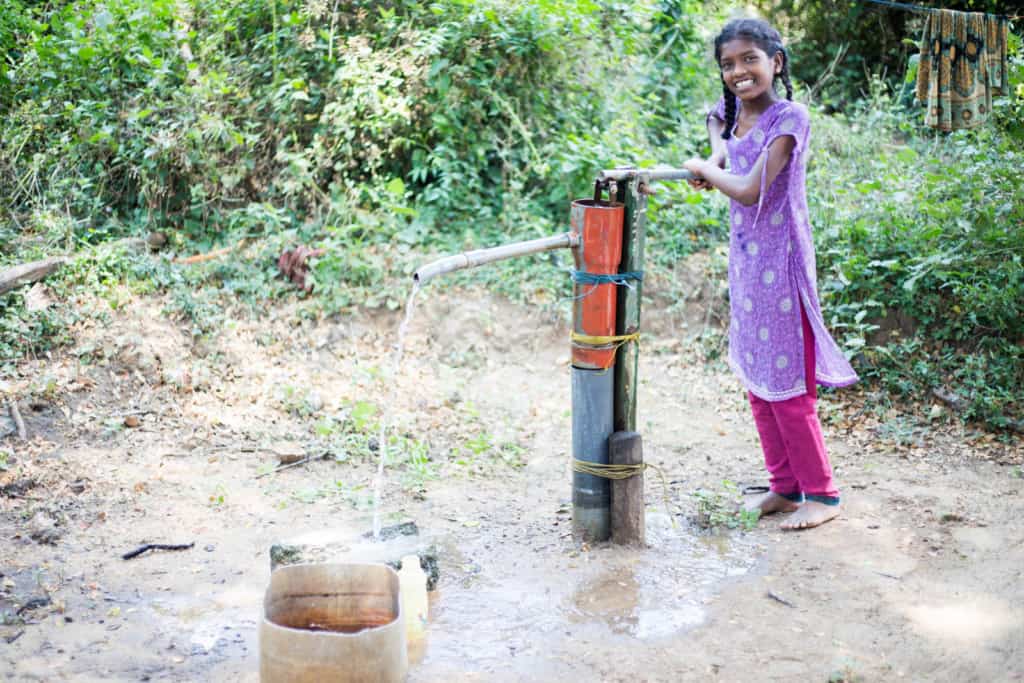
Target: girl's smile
x: 748, y: 71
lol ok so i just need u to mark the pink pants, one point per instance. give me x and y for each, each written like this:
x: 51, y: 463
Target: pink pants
x: 794, y: 449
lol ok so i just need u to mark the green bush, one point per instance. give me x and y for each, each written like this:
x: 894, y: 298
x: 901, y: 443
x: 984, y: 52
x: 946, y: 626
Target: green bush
x: 920, y: 254
x: 385, y: 132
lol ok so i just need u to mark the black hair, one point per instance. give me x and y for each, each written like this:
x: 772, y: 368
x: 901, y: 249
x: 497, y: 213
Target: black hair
x: 765, y: 37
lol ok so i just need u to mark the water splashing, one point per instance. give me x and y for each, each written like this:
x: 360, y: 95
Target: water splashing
x: 382, y: 437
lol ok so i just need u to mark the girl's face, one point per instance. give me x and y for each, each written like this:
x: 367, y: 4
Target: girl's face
x: 748, y: 71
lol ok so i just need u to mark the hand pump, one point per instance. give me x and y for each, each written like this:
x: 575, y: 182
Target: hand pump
x: 607, y: 239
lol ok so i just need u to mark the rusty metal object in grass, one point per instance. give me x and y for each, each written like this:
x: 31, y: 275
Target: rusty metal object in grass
x: 293, y: 264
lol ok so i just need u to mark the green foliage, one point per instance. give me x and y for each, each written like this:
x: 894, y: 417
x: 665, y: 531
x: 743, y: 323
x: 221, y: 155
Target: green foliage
x: 388, y: 132
x: 920, y: 254
x: 722, y: 508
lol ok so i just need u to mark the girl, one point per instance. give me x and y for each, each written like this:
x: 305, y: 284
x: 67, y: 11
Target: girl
x: 778, y: 344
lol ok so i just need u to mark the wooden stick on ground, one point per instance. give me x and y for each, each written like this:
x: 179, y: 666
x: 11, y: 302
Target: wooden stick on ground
x: 18, y: 422
x: 958, y: 405
x: 156, y: 546
x: 28, y: 272
x: 208, y: 256
x: 308, y: 458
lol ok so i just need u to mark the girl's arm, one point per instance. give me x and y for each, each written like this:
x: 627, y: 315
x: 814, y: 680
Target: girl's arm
x: 746, y: 189
x: 718, y: 150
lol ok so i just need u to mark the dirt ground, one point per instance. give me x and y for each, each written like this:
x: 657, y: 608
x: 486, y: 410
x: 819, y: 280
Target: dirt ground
x: 920, y: 579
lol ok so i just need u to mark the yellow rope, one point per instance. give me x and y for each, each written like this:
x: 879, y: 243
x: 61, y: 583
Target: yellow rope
x: 596, y: 340
x: 618, y: 472
x: 599, y: 341
x: 608, y: 471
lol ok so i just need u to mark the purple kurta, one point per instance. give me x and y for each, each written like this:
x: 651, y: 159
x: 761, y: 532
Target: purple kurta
x: 772, y: 268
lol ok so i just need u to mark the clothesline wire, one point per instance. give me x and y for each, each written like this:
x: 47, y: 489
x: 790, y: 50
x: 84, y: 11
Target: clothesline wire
x: 920, y: 8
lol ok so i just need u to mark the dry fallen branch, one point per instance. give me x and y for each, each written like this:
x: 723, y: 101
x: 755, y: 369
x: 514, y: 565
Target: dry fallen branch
x: 156, y: 546
x: 957, y: 404
x: 779, y: 599
x: 208, y: 256
x: 12, y: 278
x: 18, y: 422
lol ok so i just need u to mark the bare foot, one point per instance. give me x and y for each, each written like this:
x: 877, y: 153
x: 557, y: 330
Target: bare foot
x: 770, y: 503
x: 811, y: 514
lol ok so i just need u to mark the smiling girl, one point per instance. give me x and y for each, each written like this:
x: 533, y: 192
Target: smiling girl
x: 778, y: 344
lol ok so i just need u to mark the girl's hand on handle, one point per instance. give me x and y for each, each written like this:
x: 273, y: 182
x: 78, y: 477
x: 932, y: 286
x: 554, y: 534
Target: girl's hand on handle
x: 695, y: 166
x: 700, y: 183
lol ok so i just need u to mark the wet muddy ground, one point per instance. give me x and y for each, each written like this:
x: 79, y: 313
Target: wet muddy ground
x: 920, y: 579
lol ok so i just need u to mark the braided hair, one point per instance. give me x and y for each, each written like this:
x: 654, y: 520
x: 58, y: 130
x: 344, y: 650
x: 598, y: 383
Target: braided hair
x: 765, y: 37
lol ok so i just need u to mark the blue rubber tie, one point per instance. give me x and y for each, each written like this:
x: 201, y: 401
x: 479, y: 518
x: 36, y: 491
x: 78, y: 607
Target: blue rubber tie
x: 585, y: 278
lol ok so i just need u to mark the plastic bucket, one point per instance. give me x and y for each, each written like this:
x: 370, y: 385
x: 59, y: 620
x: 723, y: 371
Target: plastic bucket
x: 333, y: 622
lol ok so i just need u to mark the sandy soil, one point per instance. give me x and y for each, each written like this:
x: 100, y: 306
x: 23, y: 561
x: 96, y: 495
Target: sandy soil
x: 919, y: 580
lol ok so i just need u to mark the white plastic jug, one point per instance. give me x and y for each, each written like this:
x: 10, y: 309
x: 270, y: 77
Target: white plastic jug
x: 413, y: 589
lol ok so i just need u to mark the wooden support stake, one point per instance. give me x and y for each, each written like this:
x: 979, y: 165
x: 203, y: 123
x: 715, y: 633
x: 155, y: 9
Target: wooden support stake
x: 628, y: 306
x: 625, y: 448
x: 19, y: 424
x: 28, y: 272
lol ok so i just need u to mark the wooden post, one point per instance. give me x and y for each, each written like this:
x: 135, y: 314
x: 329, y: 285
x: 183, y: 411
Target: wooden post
x: 625, y: 448
x: 28, y: 272
x: 628, y: 308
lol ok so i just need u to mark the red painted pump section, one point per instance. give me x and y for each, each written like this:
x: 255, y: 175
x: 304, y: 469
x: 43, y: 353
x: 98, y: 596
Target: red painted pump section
x: 599, y: 225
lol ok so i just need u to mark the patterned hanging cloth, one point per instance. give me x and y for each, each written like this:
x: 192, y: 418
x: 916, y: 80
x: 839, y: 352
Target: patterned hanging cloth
x: 963, y: 64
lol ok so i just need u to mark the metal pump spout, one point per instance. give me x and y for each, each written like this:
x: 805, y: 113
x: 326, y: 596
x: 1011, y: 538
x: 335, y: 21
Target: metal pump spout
x: 471, y: 259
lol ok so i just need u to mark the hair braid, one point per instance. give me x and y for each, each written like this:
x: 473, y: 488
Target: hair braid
x: 730, y: 111
x: 784, y: 75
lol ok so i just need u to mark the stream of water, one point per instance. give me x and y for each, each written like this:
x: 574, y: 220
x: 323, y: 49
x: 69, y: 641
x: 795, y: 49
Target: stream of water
x: 382, y: 438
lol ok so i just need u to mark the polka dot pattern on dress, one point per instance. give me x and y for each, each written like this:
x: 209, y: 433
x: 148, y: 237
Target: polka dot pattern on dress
x: 771, y: 267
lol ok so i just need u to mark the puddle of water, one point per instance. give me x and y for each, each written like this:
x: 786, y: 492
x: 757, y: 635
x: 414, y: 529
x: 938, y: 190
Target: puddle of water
x: 382, y: 439
x: 531, y: 610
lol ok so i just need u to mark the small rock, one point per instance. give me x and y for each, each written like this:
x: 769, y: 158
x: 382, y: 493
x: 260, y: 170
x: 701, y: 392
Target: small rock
x: 156, y: 240
x: 178, y: 377
x: 395, y: 530
x: 288, y: 452
x: 43, y: 529
x: 37, y: 298
x: 314, y: 402
x: 77, y: 487
x: 131, y: 421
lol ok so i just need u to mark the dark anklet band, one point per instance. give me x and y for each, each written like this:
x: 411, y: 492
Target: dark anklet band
x: 826, y: 500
